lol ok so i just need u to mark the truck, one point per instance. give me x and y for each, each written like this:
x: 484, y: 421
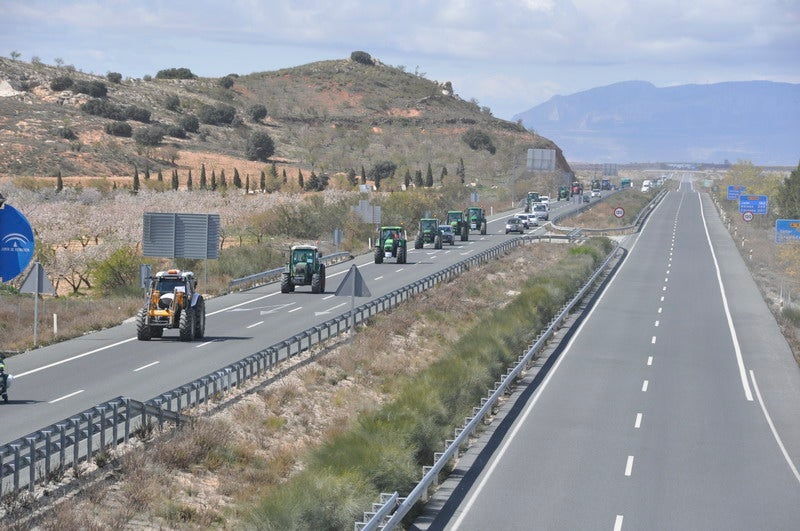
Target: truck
x: 625, y: 183
x: 172, y: 301
x: 304, y: 269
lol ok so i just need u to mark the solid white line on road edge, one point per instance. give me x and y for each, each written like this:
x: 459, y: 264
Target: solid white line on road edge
x: 638, y: 423
x: 143, y: 367
x: 629, y: 466
x: 645, y: 385
x: 786, y: 455
x: 298, y: 308
x: 255, y: 324
x: 649, y: 360
x: 65, y: 397
x: 618, y: 523
x: 739, y: 360
x: 74, y: 357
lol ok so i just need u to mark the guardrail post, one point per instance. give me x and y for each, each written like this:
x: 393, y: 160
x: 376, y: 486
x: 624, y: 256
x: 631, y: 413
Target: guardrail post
x: 102, y: 410
x: 62, y: 441
x: 76, y: 439
x: 89, y: 434
x: 31, y: 462
x: 46, y: 452
x: 15, y: 447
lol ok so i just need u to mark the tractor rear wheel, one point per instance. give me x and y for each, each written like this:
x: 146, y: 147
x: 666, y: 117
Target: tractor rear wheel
x: 315, y: 283
x: 200, y: 319
x: 322, y: 277
x: 186, y: 324
x: 401, y: 255
x: 418, y: 243
x: 286, y: 283
x: 378, y: 255
x: 464, y: 233
x: 143, y: 330
x: 483, y: 228
x: 437, y: 242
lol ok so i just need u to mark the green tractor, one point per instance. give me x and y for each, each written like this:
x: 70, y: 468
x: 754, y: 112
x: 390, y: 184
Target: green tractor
x: 455, y: 218
x: 304, y: 269
x: 428, y: 233
x: 563, y: 193
x: 391, y: 243
x: 476, y: 217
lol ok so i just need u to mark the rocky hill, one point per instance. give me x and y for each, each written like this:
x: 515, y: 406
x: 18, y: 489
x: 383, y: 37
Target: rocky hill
x: 329, y: 116
x: 635, y: 121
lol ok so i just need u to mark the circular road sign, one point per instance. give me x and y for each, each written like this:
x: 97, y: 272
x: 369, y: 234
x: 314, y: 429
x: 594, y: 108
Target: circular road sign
x: 16, y: 243
x: 619, y: 212
x: 747, y: 216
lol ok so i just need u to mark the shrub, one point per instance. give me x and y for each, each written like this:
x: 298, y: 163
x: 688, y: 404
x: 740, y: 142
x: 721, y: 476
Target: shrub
x: 119, y: 129
x: 95, y: 89
x: 476, y: 140
x: 189, y: 123
x: 220, y: 115
x: 257, y: 112
x: 226, y: 82
x: 103, y: 108
x: 119, y: 272
x: 65, y: 132
x: 362, y: 57
x: 149, y: 136
x: 259, y: 146
x: 175, y: 73
x: 137, y: 114
x: 61, y: 83
x: 114, y: 77
x: 172, y: 103
x: 176, y: 131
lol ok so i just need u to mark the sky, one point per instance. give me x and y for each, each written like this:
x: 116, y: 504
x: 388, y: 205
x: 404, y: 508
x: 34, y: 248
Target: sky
x: 508, y: 55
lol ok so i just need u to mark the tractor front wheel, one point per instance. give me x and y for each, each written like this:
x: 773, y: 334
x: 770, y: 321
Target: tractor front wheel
x: 186, y: 324
x: 437, y: 242
x: 378, y: 255
x: 322, y: 278
x: 200, y: 319
x: 483, y: 228
x: 464, y: 233
x: 286, y: 283
x: 143, y: 331
x: 418, y: 243
x: 315, y: 283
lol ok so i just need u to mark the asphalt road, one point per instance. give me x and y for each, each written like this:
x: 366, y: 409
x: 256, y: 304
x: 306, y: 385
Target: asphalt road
x: 57, y: 381
x: 674, y: 406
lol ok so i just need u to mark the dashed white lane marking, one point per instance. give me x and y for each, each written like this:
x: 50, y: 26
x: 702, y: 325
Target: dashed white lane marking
x: 652, y: 341
x: 662, y: 298
x: 206, y: 343
x: 645, y: 385
x: 255, y: 324
x: 65, y: 397
x: 295, y: 309
x: 618, y: 523
x: 629, y: 466
x: 143, y: 367
x: 328, y: 297
x: 638, y: 423
x: 649, y: 360
x: 378, y: 278
x: 657, y: 323
x: 659, y: 310
x: 398, y: 270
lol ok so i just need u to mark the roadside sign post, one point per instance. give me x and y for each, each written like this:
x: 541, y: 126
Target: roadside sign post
x: 353, y: 284
x: 36, y: 282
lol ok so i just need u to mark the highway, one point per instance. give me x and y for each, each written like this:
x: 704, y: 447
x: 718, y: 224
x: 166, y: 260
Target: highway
x: 674, y: 405
x: 54, y: 382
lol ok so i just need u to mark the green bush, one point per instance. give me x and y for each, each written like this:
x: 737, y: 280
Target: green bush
x: 65, y: 133
x: 119, y: 129
x: 61, y: 83
x: 114, y: 77
x: 476, y: 140
x: 149, y: 136
x: 104, y: 108
x: 138, y: 114
x: 176, y: 131
x: 226, y: 82
x: 189, y: 123
x: 175, y: 73
x: 259, y: 146
x: 119, y: 273
x: 362, y: 57
x: 238, y: 262
x: 172, y: 102
x: 257, y: 112
x: 220, y: 115
x: 791, y: 314
x: 95, y: 89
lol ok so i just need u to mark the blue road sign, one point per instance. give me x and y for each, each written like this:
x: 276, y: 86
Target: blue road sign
x: 735, y: 190
x: 787, y: 230
x: 757, y: 204
x: 16, y: 243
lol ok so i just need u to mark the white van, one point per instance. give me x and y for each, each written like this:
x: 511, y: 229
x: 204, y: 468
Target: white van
x: 646, y: 185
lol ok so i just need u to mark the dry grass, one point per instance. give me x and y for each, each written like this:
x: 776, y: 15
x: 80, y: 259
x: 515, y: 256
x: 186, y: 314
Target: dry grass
x: 212, y: 471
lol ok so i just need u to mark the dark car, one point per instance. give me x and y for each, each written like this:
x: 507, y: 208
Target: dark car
x: 515, y: 225
x: 448, y: 236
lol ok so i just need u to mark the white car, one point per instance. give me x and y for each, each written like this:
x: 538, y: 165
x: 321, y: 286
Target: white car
x: 546, y: 200
x: 595, y: 193
x: 541, y: 211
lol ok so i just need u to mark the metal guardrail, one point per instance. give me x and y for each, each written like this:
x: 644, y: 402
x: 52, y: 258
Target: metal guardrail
x: 401, y: 506
x: 633, y: 227
x: 261, y: 278
x: 37, y: 456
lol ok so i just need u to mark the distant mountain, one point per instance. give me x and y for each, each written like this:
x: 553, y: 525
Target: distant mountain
x: 635, y: 121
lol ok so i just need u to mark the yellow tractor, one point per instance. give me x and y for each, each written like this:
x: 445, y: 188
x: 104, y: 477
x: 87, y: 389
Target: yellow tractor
x: 172, y: 302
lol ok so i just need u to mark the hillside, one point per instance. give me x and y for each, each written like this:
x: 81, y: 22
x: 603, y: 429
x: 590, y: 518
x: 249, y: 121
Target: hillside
x: 329, y: 116
x: 635, y: 121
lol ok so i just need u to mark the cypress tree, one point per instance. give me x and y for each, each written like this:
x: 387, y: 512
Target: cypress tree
x: 418, y: 179
x: 237, y: 181
x: 429, y: 177
x: 363, y: 175
x: 285, y: 177
x: 175, y: 179
x: 203, y: 184
x: 461, y: 171
x: 407, y: 179
x: 189, y: 181
x: 263, y: 183
x: 300, y: 179
x: 160, y: 176
x: 247, y: 183
x: 444, y: 174
x: 222, y: 182
x: 59, y: 182
x: 213, y: 180
x: 135, y: 180
x: 147, y: 173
